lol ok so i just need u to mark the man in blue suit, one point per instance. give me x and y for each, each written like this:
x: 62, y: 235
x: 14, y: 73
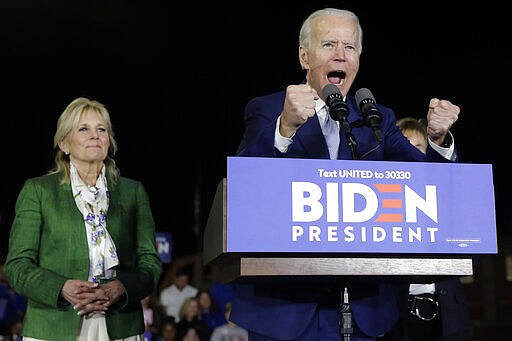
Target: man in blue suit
x: 291, y: 124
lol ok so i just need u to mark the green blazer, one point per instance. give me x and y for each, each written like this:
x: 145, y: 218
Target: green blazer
x: 48, y: 245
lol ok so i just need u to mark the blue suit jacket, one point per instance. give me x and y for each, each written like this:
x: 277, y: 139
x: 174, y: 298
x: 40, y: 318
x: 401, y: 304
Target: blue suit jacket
x: 261, y: 115
x: 286, y: 317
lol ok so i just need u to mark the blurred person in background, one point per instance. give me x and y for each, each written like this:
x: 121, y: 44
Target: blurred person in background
x: 209, y: 311
x: 12, y: 305
x: 172, y: 297
x: 168, y: 330
x: 229, y: 330
x: 191, y: 318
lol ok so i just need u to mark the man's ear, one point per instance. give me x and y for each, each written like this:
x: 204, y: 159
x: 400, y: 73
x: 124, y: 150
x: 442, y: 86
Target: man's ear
x: 303, y: 57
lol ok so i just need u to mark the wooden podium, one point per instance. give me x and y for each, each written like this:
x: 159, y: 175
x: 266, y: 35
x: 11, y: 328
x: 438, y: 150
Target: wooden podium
x: 251, y: 266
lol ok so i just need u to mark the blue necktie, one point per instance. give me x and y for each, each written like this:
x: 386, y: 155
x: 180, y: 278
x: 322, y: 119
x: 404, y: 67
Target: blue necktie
x: 332, y: 136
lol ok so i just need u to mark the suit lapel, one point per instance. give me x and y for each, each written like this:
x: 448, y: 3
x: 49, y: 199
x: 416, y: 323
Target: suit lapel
x: 312, y: 140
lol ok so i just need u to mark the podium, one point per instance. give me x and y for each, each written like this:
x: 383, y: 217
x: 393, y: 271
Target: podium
x: 248, y: 257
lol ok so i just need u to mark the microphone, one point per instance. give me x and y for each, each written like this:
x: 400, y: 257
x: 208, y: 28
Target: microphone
x: 371, y: 114
x: 338, y: 110
x: 332, y: 96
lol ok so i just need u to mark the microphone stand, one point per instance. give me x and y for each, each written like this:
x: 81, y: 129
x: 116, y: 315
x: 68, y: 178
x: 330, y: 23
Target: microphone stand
x: 351, y: 140
x: 338, y: 110
x: 357, y: 124
x: 345, y: 317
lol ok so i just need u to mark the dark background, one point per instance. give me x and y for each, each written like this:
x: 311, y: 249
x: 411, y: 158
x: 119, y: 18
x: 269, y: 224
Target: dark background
x: 176, y: 78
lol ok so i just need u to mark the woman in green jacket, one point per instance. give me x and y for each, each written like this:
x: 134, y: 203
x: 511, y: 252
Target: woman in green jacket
x: 82, y: 246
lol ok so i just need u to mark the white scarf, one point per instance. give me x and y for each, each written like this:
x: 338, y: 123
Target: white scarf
x: 92, y: 201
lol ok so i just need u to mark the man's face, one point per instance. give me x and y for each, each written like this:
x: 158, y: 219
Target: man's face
x: 333, y: 55
x: 181, y: 281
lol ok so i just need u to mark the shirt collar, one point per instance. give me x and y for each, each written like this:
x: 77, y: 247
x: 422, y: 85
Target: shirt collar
x: 321, y: 110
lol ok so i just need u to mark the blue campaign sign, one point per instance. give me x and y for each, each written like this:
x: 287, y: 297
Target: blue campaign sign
x: 164, y: 246
x: 312, y: 205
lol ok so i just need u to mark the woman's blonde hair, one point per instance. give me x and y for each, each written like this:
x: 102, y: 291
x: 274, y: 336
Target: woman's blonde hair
x: 184, y: 307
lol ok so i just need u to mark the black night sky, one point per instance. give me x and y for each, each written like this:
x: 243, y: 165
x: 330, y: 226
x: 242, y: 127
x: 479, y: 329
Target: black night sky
x: 176, y: 77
